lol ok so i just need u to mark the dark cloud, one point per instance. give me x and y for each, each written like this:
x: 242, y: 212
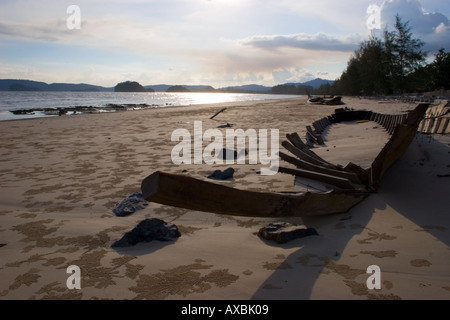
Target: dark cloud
x: 319, y: 41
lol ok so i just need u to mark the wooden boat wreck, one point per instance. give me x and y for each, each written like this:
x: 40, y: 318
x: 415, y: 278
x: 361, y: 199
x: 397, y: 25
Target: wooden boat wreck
x: 331, y: 101
x: 351, y: 184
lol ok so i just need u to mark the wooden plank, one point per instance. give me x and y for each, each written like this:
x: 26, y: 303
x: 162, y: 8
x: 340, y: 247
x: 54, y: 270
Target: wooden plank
x: 313, y: 138
x: 304, y: 156
x: 311, y: 131
x: 438, y: 123
x: 397, y: 145
x: 325, y: 178
x: 317, y: 126
x: 430, y: 124
x: 195, y: 194
x: 362, y: 174
x: 446, y: 127
x: 295, y: 139
x: 302, y: 164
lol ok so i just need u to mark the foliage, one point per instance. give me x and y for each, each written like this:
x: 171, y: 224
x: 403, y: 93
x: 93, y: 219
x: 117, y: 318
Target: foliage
x: 291, y: 89
x: 130, y: 86
x: 394, y: 64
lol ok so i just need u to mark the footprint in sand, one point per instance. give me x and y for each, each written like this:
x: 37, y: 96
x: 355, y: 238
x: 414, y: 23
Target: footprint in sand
x: 420, y: 263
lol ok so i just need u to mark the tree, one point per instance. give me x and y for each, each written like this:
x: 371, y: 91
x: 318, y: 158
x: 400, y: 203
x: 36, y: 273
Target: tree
x: 373, y: 67
x: 404, y: 53
x: 366, y: 70
x: 384, y: 66
x: 130, y: 86
x: 440, y: 70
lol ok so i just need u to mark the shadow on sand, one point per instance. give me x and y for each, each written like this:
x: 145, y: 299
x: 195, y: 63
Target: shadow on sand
x: 406, y: 189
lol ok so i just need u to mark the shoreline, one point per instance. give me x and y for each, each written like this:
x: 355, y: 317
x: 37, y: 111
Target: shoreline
x: 62, y: 176
x: 121, y: 102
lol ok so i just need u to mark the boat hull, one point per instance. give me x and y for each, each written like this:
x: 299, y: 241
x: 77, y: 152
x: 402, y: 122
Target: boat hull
x: 195, y: 194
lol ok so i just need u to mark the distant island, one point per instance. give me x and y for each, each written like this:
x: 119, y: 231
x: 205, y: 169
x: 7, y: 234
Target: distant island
x: 133, y: 86
x: 178, y: 89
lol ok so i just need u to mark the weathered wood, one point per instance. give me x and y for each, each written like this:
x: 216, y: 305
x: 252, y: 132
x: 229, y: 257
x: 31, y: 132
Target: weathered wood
x: 438, y: 123
x: 363, y: 174
x: 321, y: 177
x: 397, y: 145
x: 295, y: 139
x: 302, y: 164
x: 313, y: 136
x: 217, y: 113
x: 320, y: 125
x: 445, y: 127
x: 302, y: 155
x: 195, y: 194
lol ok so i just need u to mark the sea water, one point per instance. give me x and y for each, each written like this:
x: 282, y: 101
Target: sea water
x: 18, y: 100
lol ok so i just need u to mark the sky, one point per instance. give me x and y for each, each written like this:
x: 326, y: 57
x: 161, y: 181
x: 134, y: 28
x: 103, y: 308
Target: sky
x: 210, y: 42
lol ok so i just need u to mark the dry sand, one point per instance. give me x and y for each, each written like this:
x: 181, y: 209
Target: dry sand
x: 61, y: 177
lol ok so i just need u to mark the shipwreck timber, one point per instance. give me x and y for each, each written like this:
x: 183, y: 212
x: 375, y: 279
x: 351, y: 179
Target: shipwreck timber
x: 351, y: 183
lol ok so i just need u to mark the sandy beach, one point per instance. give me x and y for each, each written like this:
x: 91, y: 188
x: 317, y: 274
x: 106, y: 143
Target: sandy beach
x: 61, y: 177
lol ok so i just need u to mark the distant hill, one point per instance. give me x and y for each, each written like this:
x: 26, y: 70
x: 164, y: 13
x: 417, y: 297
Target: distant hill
x: 29, y: 85
x: 256, y: 88
x: 316, y: 83
x: 131, y: 86
x: 178, y: 89
x: 165, y: 87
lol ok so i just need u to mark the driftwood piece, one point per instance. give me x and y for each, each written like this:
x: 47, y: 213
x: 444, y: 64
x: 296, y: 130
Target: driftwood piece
x: 221, y: 110
x: 194, y: 194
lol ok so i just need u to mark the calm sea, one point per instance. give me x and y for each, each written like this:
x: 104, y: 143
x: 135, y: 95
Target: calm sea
x: 17, y: 100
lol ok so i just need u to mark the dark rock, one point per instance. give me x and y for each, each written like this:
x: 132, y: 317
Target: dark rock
x: 283, y: 232
x: 225, y: 126
x: 148, y: 230
x: 222, y: 175
x: 130, y: 205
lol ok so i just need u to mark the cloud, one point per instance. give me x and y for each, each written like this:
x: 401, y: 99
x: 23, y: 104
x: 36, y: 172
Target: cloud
x: 318, y: 41
x: 48, y: 33
x: 431, y: 27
